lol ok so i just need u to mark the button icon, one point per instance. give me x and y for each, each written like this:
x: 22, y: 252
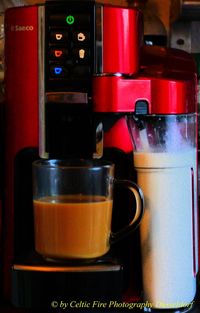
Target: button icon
x: 58, y: 53
x: 81, y: 37
x: 59, y: 36
x: 81, y: 53
x: 58, y: 70
x: 70, y: 19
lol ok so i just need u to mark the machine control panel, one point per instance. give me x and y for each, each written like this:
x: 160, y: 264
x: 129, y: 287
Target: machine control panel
x: 69, y: 47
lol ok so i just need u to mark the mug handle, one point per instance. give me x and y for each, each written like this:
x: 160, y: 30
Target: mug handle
x: 138, y: 194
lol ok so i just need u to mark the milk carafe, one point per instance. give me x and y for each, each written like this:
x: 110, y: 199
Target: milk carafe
x: 165, y: 161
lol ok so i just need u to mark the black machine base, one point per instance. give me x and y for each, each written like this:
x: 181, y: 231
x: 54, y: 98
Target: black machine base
x: 55, y: 287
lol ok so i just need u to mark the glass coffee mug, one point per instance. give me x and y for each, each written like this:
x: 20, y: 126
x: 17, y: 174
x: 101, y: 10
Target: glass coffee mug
x: 73, y: 202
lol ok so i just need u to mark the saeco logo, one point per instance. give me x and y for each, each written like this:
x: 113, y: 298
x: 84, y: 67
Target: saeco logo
x: 19, y: 28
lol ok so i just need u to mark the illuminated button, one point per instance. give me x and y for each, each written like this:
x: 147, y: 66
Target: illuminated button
x: 81, y: 54
x: 58, y: 71
x: 58, y: 53
x: 58, y: 36
x: 70, y: 19
x: 81, y: 37
x: 62, y: 19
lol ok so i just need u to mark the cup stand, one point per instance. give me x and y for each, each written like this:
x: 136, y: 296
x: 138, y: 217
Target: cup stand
x: 37, y: 284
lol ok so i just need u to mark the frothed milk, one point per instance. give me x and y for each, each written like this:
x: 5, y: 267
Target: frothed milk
x: 168, y: 228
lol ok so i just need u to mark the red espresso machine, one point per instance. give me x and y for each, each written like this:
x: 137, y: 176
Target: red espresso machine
x: 52, y: 52
x: 76, y: 78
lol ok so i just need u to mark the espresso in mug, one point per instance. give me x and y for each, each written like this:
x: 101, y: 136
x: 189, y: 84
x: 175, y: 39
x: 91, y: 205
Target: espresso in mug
x: 72, y: 226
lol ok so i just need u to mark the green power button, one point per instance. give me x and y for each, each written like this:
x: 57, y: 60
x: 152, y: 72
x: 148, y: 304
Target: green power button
x: 70, y: 19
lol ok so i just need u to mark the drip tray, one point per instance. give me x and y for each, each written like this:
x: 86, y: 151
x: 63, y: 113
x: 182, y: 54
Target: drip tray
x: 53, y: 286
